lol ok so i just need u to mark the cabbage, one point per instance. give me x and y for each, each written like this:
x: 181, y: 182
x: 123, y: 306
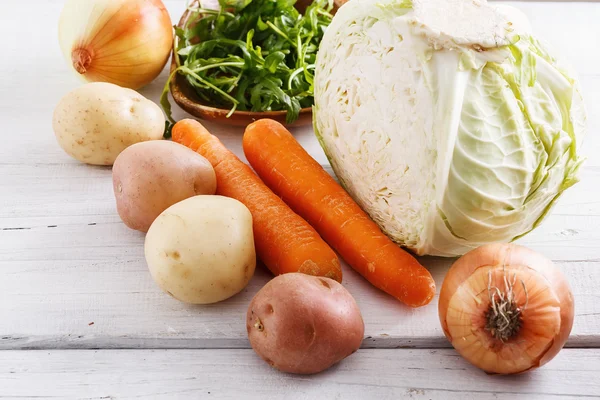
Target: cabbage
x: 447, y: 121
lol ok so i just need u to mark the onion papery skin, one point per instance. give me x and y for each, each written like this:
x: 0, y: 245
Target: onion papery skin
x: 125, y: 42
x: 547, y: 318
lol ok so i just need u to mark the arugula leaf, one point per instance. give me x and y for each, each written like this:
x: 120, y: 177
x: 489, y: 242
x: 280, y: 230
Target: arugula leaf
x: 254, y: 55
x: 237, y: 5
x: 273, y: 60
x: 261, y: 25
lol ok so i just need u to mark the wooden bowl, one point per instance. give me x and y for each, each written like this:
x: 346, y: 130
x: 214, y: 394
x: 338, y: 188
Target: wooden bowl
x: 185, y: 96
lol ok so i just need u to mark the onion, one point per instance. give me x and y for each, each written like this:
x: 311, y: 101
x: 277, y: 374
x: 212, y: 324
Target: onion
x: 125, y: 42
x: 505, y: 308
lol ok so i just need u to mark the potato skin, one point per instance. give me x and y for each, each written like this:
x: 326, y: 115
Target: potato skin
x: 97, y: 121
x: 304, y: 324
x: 201, y: 250
x: 149, y: 177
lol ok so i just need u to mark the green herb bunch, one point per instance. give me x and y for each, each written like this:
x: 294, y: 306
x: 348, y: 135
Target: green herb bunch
x: 254, y: 55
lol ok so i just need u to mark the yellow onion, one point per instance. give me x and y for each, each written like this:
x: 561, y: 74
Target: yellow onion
x: 125, y: 42
x: 505, y: 308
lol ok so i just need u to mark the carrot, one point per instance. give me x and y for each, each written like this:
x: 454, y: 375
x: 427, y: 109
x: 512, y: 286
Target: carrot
x: 284, y: 241
x: 304, y: 185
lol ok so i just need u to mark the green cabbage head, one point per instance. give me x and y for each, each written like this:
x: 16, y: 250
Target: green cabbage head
x: 447, y: 121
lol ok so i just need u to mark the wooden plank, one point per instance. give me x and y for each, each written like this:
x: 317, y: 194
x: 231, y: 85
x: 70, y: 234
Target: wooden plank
x: 58, y: 279
x: 236, y: 374
x: 28, y: 120
x: 80, y: 194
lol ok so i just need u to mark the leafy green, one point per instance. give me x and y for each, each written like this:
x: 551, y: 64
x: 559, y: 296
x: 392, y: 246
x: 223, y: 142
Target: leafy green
x: 252, y: 55
x: 445, y: 150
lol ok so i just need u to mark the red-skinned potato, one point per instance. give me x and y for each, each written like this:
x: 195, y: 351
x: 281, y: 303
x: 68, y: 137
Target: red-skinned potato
x: 149, y: 177
x: 304, y: 324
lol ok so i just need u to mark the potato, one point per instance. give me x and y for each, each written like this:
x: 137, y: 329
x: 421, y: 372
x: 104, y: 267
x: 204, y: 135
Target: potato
x: 151, y: 176
x: 201, y: 250
x: 97, y: 121
x: 304, y: 324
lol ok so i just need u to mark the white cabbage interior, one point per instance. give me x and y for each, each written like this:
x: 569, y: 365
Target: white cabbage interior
x: 446, y: 146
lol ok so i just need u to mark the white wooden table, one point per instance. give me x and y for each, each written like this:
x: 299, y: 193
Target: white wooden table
x: 80, y: 316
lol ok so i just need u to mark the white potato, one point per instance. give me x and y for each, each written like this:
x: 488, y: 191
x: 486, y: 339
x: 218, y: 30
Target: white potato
x: 201, y: 250
x: 97, y: 121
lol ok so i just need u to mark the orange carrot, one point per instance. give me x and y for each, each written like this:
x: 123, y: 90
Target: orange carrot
x: 304, y: 185
x: 284, y: 241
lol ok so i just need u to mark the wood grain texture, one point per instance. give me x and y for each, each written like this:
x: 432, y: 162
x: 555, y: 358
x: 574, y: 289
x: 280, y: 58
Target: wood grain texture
x: 72, y: 276
x: 236, y: 374
x: 57, y: 277
x: 66, y: 260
